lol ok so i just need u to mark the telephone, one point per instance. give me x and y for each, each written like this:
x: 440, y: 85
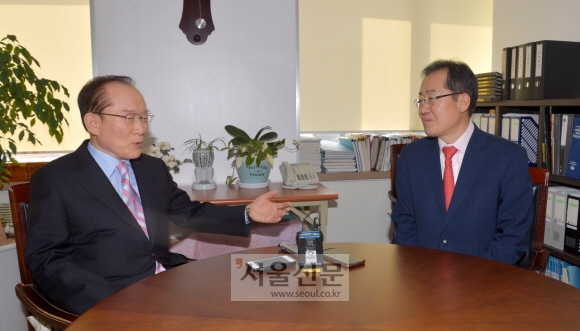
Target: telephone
x: 298, y: 176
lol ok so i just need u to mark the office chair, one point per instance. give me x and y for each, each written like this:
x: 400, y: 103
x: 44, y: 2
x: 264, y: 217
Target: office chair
x: 536, y: 258
x: 34, y: 303
x: 395, y: 151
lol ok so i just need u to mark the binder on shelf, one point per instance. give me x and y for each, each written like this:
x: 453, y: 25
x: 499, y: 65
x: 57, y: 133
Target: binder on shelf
x: 566, y: 150
x: 558, y: 226
x: 548, y: 232
x: 545, y: 143
x: 571, y: 232
x: 505, y: 126
x: 556, y: 135
x: 519, y: 95
x: 476, y: 119
x: 563, y: 140
x: 524, y: 131
x: 558, y: 234
x: 529, y: 66
x: 513, y: 72
x: 491, y: 124
x: 556, y: 74
x: 506, y: 60
x: 573, y: 164
x: 549, y: 217
x: 484, y: 121
x: 550, y: 202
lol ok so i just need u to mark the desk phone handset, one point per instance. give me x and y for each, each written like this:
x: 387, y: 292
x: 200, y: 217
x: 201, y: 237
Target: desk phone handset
x: 298, y: 176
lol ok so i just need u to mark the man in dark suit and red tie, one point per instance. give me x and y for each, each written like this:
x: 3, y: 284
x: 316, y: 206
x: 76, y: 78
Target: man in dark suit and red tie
x: 98, y: 217
x: 461, y: 189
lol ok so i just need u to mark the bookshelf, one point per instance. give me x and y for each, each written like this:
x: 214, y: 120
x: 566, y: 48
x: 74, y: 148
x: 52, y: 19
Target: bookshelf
x: 354, y: 175
x: 544, y: 108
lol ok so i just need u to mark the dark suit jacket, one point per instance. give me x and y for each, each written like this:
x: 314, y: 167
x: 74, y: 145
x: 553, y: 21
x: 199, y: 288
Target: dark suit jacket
x: 491, y: 211
x: 83, y: 242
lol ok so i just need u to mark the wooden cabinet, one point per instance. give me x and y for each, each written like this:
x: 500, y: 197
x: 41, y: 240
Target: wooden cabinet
x: 543, y: 108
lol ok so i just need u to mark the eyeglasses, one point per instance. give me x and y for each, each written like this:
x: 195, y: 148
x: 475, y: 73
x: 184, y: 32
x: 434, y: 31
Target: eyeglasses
x: 134, y: 118
x: 431, y: 100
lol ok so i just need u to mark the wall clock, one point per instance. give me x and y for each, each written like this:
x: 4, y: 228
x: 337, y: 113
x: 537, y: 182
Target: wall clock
x: 196, y: 21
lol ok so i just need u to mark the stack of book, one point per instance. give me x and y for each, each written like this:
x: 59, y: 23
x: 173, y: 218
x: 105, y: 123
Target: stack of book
x: 563, y: 271
x: 310, y: 150
x: 337, y: 157
x: 372, y: 151
x: 489, y: 86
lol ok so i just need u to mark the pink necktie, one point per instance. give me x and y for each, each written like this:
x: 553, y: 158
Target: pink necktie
x: 133, y: 202
x: 448, y: 181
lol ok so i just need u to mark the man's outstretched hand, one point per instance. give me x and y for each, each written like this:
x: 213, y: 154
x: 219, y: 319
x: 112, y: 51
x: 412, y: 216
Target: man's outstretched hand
x: 263, y: 210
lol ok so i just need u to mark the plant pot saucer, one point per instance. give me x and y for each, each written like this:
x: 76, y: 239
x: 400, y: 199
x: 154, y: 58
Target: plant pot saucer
x: 203, y: 186
x: 253, y: 185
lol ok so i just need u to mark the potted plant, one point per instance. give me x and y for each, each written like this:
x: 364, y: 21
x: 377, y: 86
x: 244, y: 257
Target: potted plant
x: 202, y: 153
x: 253, y: 158
x: 25, y: 99
x: 163, y: 150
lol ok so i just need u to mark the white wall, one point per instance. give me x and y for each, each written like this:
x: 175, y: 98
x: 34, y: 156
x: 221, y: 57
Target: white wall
x: 12, y: 316
x: 361, y: 212
x: 517, y: 22
x: 357, y: 75
x: 244, y: 74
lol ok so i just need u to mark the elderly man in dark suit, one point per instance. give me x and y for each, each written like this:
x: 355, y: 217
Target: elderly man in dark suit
x: 461, y: 189
x: 99, y: 216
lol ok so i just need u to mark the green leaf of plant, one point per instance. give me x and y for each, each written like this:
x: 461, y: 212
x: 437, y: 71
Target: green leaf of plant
x: 249, y: 160
x: 260, y: 132
x: 237, y: 141
x: 12, y: 146
x: 237, y: 133
x: 269, y: 136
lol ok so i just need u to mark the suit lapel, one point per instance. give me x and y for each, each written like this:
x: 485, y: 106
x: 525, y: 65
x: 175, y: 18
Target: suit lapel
x: 94, y: 180
x: 474, y: 158
x: 149, y: 193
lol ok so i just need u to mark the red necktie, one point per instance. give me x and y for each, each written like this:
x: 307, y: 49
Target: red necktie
x: 133, y: 202
x: 448, y: 181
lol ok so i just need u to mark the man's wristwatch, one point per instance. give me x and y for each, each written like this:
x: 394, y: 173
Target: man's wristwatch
x: 248, y: 213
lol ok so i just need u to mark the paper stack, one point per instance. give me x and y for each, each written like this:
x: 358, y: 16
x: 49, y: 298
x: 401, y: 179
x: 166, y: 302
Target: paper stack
x: 337, y: 157
x: 310, y: 150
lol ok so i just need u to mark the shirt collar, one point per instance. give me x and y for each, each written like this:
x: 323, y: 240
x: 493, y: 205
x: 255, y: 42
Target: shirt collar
x: 461, y: 143
x: 107, y: 162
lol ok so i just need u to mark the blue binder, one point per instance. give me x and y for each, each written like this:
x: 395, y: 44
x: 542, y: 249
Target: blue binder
x: 573, y: 166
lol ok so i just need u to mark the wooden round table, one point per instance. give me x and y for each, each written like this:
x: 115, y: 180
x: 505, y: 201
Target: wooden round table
x: 398, y: 288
